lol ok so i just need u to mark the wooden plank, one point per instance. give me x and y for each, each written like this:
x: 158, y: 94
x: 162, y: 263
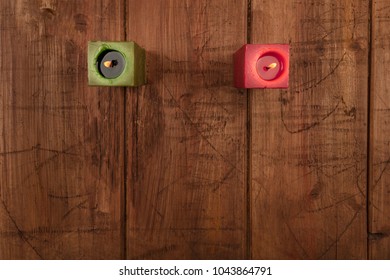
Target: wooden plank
x: 309, y: 143
x: 186, y: 132
x: 61, y: 142
x: 379, y: 183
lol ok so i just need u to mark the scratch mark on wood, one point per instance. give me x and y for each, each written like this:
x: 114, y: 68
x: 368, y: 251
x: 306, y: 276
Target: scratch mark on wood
x: 357, y: 182
x: 326, y: 207
x: 38, y: 165
x: 303, y: 176
x: 78, y: 206
x: 191, y: 122
x: 158, y: 212
x: 189, y: 245
x: 296, y: 239
x: 312, y: 125
x: 335, y: 242
x: 332, y: 71
x: 380, y: 97
x: 67, y: 196
x: 164, y: 188
x: 380, y: 174
x: 48, y: 230
x: 37, y: 148
x: 220, y: 182
x: 19, y: 230
x: 16, y: 152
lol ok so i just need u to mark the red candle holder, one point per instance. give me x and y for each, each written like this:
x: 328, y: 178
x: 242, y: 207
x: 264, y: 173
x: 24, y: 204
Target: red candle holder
x: 262, y: 66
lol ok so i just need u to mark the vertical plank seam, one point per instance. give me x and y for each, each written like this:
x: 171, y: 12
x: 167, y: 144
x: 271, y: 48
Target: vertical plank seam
x: 248, y: 148
x: 125, y: 159
x: 369, y: 124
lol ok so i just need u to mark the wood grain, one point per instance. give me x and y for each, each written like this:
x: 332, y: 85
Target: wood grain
x: 379, y: 184
x: 161, y: 171
x: 187, y: 132
x: 309, y: 143
x: 61, y: 142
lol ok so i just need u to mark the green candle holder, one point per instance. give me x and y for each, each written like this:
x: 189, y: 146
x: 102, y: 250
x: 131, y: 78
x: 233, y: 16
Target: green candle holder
x: 116, y: 64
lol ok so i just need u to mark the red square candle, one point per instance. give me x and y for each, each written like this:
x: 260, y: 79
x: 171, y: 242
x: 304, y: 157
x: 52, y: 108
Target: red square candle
x: 261, y: 66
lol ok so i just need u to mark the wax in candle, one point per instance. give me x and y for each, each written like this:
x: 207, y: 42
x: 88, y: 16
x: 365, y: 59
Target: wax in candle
x: 269, y: 67
x: 111, y: 64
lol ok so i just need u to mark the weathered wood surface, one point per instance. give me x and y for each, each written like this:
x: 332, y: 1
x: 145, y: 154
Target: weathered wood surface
x: 309, y: 143
x: 186, y: 133
x: 61, y: 142
x: 187, y: 167
x: 379, y: 184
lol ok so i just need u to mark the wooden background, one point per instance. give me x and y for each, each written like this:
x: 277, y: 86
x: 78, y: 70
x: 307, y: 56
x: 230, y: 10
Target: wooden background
x: 188, y: 167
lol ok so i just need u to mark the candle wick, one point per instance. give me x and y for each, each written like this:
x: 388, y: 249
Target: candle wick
x: 271, y: 66
x: 110, y: 63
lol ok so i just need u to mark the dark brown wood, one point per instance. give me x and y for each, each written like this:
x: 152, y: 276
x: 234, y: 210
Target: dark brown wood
x: 193, y: 187
x: 379, y: 184
x: 187, y: 132
x: 309, y: 143
x: 61, y: 142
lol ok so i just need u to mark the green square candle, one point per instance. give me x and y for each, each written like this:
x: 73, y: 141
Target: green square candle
x: 116, y: 64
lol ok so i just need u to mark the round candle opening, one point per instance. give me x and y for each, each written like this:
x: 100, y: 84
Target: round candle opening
x: 269, y: 66
x: 111, y: 64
